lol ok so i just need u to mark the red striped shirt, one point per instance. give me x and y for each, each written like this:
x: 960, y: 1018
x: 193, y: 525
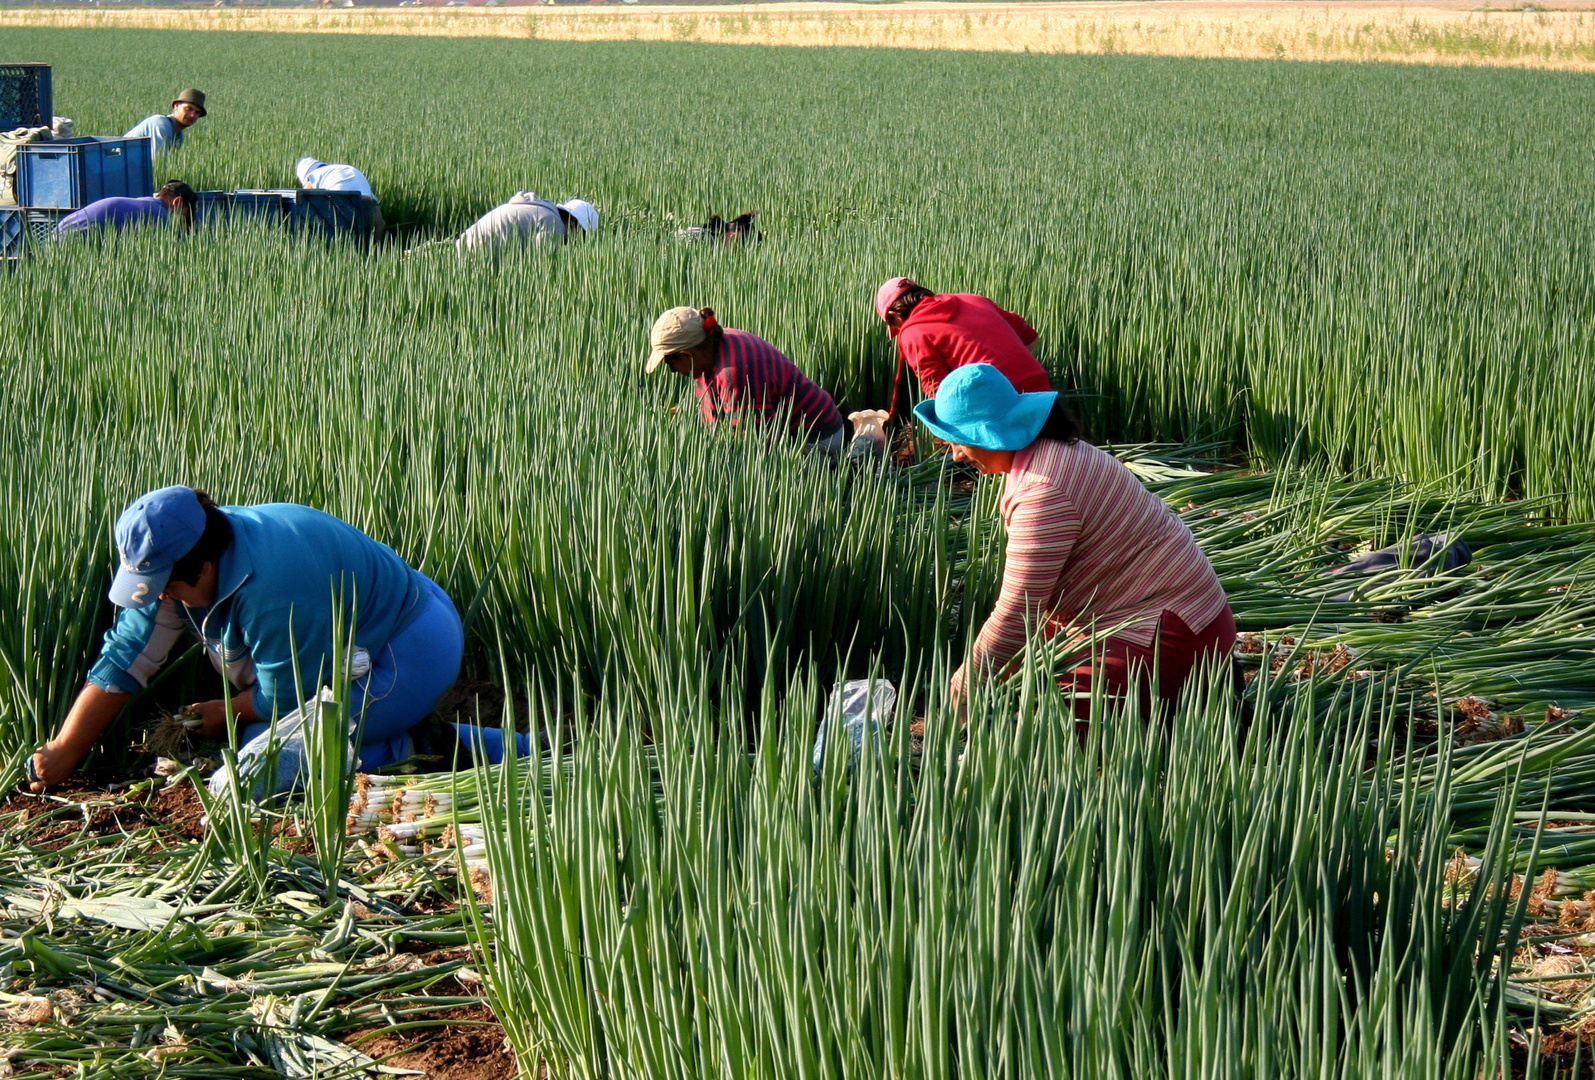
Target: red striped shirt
x: 753, y: 379
x: 1089, y: 545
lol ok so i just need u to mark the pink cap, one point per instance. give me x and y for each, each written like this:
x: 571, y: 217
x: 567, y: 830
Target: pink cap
x: 888, y: 294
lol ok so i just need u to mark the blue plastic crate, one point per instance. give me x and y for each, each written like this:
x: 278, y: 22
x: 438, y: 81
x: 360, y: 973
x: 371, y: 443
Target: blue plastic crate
x: 25, y: 99
x: 20, y: 228
x: 13, y: 231
x: 72, y: 173
x: 270, y: 203
x: 213, y: 207
x: 332, y: 213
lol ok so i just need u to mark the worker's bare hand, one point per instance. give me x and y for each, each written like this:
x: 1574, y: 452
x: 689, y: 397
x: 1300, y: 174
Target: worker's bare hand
x: 212, y: 716
x: 52, y: 765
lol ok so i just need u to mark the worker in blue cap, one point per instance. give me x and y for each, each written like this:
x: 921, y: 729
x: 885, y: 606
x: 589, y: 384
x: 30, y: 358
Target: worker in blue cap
x: 256, y: 585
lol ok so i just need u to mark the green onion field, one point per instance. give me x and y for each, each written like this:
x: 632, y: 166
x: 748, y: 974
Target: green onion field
x: 1319, y: 308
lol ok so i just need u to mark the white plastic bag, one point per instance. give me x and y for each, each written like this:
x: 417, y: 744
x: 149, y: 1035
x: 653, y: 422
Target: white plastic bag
x: 869, y: 434
x: 853, y: 705
x: 290, y: 741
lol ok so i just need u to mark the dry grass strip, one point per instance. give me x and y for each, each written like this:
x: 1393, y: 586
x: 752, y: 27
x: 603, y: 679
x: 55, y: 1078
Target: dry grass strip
x: 1438, y: 32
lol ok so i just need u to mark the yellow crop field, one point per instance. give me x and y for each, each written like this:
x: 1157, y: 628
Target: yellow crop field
x: 1432, y: 33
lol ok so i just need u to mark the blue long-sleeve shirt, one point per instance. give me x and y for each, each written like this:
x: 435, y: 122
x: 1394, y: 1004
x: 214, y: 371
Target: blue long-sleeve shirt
x: 274, y: 590
x: 114, y: 212
x: 162, y: 131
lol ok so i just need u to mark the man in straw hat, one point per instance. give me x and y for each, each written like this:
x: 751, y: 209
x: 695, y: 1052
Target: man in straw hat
x: 166, y: 132
x: 742, y: 380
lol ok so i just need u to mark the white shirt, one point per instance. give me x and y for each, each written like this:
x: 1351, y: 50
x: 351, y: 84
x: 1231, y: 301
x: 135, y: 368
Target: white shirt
x: 161, y: 130
x: 326, y: 177
x: 525, y: 218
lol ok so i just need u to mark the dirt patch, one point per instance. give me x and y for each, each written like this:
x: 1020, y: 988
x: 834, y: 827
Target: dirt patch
x: 180, y: 807
x: 1559, y: 1051
x: 48, y: 824
x: 467, y: 1044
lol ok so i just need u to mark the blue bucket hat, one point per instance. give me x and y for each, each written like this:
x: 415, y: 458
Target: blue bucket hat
x: 977, y: 406
x: 152, y: 534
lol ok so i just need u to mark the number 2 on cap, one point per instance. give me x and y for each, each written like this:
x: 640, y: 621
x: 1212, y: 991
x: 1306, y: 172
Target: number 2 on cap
x: 141, y: 592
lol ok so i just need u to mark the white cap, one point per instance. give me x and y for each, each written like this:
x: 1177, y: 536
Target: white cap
x: 585, y: 213
x: 304, y: 168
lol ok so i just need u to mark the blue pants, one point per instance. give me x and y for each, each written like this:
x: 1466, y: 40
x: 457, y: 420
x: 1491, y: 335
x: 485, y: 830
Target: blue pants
x: 407, y: 677
x: 491, y: 747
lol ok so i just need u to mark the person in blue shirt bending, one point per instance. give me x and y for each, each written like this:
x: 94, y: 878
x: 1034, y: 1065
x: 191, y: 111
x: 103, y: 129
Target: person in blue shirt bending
x: 175, y: 201
x: 256, y: 586
x: 166, y: 132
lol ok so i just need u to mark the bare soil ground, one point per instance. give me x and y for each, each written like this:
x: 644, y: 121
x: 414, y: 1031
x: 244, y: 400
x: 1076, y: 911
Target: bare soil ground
x: 78, y: 811
x: 470, y: 1047
x: 1458, y: 32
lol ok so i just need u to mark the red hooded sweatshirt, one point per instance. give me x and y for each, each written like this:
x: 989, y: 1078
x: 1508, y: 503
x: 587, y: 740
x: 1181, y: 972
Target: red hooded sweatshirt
x: 953, y: 329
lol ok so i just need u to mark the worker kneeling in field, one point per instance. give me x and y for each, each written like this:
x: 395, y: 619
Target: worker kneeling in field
x: 938, y: 333
x: 255, y: 585
x: 528, y: 219
x: 322, y: 176
x: 166, y: 132
x: 175, y: 201
x: 739, y: 377
x: 1088, y: 545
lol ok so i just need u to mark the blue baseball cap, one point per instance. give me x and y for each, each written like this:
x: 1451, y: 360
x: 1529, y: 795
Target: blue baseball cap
x: 976, y: 405
x: 152, y: 534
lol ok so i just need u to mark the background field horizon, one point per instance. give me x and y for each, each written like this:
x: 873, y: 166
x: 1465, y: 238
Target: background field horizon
x: 1557, y: 36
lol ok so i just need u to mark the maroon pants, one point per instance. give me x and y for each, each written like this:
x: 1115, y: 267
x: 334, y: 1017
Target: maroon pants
x: 1177, y: 650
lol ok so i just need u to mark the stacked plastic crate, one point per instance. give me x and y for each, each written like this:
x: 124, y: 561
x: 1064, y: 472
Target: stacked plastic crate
x: 50, y: 179
x: 25, y: 98
x: 25, y: 102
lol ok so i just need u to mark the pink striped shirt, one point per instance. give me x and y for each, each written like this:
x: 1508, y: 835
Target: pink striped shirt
x: 1088, y: 545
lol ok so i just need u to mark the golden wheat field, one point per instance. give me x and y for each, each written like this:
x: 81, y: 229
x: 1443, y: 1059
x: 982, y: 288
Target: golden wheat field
x: 1524, y: 35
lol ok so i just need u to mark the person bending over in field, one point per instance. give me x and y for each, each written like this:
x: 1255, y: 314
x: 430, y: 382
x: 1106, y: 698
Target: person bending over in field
x: 175, y: 201
x: 528, y: 219
x: 938, y: 333
x: 255, y: 585
x: 1088, y: 545
x: 166, y: 132
x: 321, y: 176
x: 742, y: 378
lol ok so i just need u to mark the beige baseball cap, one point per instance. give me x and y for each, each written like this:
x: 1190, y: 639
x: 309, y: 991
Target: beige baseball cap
x: 677, y: 329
